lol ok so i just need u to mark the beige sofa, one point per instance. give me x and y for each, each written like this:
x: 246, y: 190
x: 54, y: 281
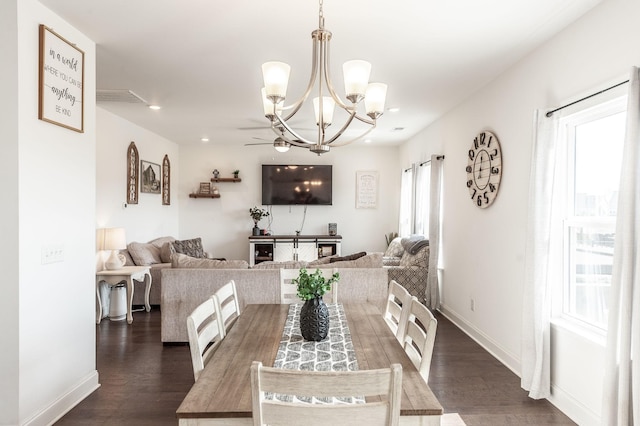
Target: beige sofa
x: 184, y: 289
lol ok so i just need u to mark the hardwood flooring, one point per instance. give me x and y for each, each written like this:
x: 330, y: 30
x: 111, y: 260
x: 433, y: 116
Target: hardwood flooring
x: 143, y: 382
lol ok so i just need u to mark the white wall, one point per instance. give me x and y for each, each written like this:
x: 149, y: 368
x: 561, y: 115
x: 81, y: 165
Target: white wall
x: 149, y: 218
x: 47, y: 362
x: 484, y: 249
x: 224, y: 223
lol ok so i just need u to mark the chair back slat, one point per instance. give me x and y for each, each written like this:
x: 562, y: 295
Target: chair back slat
x: 229, y: 305
x: 205, y: 330
x: 420, y: 337
x: 397, y: 309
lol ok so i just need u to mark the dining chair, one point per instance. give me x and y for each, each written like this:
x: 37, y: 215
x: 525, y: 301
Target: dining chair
x: 289, y: 290
x: 385, y: 382
x: 206, y: 331
x: 397, y: 309
x: 419, y: 337
x: 229, y: 305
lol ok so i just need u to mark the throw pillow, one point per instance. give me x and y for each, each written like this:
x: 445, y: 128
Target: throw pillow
x: 179, y: 260
x: 192, y: 248
x: 371, y: 260
x: 272, y: 264
x: 395, y: 248
x: 420, y: 259
x: 321, y: 261
x: 349, y: 257
x: 144, y: 253
x: 166, y: 251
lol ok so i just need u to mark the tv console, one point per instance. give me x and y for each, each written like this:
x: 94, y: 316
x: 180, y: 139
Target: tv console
x: 282, y: 248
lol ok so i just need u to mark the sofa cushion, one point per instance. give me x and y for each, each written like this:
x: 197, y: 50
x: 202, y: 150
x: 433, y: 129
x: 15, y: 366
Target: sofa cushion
x: 372, y: 260
x: 349, y: 257
x: 166, y: 251
x: 144, y: 253
x: 395, y: 248
x: 192, y: 247
x: 321, y: 261
x: 128, y: 261
x: 271, y: 264
x: 420, y: 259
x: 179, y: 260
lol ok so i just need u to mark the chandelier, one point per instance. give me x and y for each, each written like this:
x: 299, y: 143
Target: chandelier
x: 357, y: 88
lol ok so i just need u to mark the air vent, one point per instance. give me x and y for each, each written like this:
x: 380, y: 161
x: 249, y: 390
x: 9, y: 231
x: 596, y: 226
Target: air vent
x: 118, y: 95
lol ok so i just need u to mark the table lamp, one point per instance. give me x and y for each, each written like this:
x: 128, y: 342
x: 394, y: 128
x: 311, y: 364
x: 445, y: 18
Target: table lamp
x: 113, y: 239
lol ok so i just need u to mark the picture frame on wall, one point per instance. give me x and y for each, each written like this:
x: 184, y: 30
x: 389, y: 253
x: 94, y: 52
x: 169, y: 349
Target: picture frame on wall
x: 366, y: 189
x: 205, y: 188
x: 150, y: 177
x: 166, y: 181
x: 60, y: 81
x: 133, y: 173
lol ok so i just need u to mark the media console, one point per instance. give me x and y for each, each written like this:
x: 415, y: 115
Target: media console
x: 281, y: 248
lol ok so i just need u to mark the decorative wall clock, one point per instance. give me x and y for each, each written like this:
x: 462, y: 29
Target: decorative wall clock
x: 133, y: 164
x: 484, y: 169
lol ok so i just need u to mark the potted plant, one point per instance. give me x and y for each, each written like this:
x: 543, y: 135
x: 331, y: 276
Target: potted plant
x: 257, y: 214
x: 236, y: 172
x: 314, y: 314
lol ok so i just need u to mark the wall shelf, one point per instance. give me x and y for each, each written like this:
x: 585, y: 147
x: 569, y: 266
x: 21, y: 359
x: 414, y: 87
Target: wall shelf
x: 204, y: 195
x: 226, y: 180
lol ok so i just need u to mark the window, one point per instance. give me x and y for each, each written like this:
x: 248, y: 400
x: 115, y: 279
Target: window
x: 594, y: 140
x: 406, y: 203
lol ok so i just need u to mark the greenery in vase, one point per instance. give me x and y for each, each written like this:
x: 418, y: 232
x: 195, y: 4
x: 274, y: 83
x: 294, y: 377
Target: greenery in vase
x: 311, y: 286
x: 257, y: 214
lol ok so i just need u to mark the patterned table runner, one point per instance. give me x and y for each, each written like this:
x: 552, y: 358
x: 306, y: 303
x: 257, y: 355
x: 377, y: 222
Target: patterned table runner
x: 335, y: 353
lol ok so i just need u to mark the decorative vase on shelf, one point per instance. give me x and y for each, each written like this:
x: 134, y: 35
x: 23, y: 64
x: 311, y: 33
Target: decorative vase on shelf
x: 255, y: 231
x: 314, y: 320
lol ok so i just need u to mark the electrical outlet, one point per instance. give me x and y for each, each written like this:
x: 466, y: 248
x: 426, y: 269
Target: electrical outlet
x: 52, y: 254
x: 472, y: 305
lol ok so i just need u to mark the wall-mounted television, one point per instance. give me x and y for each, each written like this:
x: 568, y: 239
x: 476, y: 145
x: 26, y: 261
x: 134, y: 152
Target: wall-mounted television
x: 296, y: 184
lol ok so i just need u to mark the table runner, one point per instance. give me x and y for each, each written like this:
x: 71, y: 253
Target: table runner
x: 335, y: 353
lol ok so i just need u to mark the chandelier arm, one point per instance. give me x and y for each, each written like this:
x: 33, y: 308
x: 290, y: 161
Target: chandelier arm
x: 354, y: 139
x: 290, y: 130
x: 296, y: 142
x: 327, y: 77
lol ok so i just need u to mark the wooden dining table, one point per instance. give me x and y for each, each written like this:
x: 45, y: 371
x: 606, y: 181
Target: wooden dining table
x: 222, y: 394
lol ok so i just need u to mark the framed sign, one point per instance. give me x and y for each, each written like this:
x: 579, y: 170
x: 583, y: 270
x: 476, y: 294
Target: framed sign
x: 61, y: 81
x: 133, y: 173
x: 150, y: 180
x: 166, y: 181
x: 366, y: 190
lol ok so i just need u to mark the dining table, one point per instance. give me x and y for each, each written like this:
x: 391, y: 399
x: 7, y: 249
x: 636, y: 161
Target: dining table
x: 222, y: 393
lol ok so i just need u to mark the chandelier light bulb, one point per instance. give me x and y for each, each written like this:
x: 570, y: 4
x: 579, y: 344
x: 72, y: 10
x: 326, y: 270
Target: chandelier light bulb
x: 267, y: 106
x: 328, y: 107
x: 356, y: 78
x: 276, y: 79
x: 374, y: 99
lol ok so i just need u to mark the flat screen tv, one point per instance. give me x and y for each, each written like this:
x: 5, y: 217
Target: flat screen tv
x: 296, y: 184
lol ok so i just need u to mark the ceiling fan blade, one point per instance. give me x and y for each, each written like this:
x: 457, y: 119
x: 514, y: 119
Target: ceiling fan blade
x: 260, y: 139
x: 261, y: 143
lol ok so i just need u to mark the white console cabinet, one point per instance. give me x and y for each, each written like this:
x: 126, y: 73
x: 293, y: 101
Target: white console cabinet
x: 281, y: 248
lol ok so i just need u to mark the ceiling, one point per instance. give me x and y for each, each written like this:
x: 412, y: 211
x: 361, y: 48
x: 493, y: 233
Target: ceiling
x: 200, y: 60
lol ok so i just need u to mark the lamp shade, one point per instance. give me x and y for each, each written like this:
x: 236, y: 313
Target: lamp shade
x: 114, y: 239
x: 276, y: 80
x: 356, y: 78
x: 328, y: 106
x: 374, y: 99
x: 267, y: 105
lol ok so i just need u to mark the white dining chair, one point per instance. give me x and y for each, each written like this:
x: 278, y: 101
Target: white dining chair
x: 289, y: 290
x: 420, y: 336
x: 206, y: 331
x: 229, y: 305
x: 397, y: 309
x: 385, y: 382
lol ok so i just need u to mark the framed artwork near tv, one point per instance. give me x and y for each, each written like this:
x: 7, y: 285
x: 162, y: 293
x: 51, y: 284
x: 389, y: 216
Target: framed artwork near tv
x: 150, y: 177
x: 366, y: 189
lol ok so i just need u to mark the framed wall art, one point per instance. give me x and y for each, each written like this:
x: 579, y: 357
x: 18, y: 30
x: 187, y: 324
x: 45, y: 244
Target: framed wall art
x: 133, y: 173
x: 150, y: 177
x: 60, y: 81
x: 166, y: 181
x: 366, y: 190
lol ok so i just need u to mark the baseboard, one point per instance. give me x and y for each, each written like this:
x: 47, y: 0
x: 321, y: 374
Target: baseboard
x: 509, y: 360
x: 563, y: 401
x: 65, y: 402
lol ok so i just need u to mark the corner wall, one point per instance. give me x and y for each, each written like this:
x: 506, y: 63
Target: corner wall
x: 484, y: 249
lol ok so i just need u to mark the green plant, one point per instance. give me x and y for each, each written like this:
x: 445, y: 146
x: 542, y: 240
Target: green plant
x: 311, y: 286
x: 236, y: 172
x: 257, y: 214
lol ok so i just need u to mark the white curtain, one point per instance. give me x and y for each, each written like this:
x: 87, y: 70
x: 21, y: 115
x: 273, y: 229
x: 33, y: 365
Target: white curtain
x: 435, y: 195
x: 422, y: 196
x: 621, y: 402
x: 542, y: 256
x: 406, y: 203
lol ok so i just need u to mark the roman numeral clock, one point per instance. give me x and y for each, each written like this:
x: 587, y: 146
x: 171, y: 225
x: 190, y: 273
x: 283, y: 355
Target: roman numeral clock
x: 484, y: 169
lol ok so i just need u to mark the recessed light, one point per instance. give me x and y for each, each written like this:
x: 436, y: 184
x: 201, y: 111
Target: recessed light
x: 367, y: 141
x: 155, y: 107
x: 205, y: 139
x: 394, y: 109
x: 397, y: 129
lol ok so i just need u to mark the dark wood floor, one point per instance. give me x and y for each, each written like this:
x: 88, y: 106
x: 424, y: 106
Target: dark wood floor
x: 144, y: 382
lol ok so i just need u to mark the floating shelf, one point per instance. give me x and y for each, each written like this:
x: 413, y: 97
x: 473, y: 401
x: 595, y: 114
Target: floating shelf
x: 226, y: 180
x: 204, y: 195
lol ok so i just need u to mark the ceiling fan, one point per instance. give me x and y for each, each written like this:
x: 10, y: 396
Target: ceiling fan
x: 280, y: 144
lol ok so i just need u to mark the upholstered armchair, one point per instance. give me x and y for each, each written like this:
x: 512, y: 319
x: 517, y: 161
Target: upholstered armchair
x: 407, y: 261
